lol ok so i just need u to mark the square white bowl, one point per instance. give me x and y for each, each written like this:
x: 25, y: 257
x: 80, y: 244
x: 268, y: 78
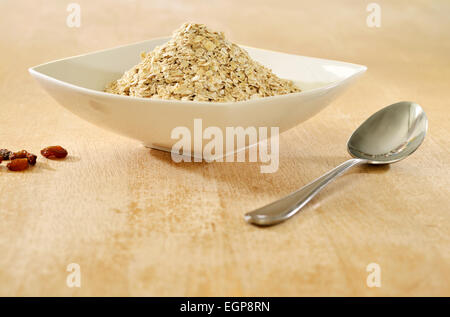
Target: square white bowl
x: 77, y: 83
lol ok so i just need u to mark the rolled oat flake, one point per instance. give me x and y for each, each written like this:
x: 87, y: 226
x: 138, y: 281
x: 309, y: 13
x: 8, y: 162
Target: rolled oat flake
x: 200, y: 65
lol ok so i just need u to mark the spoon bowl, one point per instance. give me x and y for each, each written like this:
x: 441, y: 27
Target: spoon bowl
x: 388, y: 136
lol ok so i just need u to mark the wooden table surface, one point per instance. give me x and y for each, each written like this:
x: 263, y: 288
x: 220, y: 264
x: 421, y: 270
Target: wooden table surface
x: 139, y: 224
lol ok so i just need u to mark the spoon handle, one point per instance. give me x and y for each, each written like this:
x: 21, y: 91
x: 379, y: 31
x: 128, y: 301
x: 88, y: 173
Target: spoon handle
x: 288, y: 206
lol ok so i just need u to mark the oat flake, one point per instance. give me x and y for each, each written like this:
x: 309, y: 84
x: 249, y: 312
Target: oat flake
x: 201, y: 65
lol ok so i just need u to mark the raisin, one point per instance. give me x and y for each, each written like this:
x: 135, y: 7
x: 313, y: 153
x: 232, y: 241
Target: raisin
x: 17, y: 155
x: 4, y: 154
x: 1, y: 159
x: 19, y: 164
x: 54, y: 152
x: 31, y: 158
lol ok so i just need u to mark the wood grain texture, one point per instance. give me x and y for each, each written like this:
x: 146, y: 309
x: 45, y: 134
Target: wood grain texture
x: 139, y: 224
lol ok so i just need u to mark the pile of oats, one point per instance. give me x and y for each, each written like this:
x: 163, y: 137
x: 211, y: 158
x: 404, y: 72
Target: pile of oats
x: 201, y: 65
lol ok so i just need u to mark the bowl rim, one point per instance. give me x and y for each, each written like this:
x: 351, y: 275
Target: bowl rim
x: 93, y: 92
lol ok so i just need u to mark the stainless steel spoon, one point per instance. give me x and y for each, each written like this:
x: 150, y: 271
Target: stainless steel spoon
x: 388, y: 136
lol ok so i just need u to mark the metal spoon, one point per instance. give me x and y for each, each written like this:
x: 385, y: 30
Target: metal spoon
x: 388, y: 136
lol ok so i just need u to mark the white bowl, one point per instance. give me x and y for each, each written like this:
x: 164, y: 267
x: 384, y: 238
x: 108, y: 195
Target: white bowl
x: 77, y: 83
